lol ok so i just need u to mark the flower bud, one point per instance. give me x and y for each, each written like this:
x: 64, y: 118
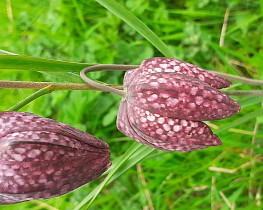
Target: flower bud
x: 43, y: 158
x: 166, y: 100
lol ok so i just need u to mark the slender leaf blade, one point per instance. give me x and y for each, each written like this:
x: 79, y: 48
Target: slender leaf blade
x: 134, y: 155
x: 18, y: 62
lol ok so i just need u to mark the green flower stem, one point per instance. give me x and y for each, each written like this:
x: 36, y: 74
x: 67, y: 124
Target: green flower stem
x: 32, y: 97
x: 55, y: 85
x: 243, y: 92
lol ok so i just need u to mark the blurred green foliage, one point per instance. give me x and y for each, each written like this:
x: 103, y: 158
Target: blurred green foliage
x: 84, y: 31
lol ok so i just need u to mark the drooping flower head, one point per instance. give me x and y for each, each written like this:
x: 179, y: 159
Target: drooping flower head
x: 42, y: 158
x: 166, y: 100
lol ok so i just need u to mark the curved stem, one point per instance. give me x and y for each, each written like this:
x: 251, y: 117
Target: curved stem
x: 103, y: 87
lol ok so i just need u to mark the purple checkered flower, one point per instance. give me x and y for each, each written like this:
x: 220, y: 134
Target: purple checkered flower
x: 166, y: 102
x: 42, y: 158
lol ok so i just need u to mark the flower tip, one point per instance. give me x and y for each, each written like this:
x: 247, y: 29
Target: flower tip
x: 234, y: 108
x: 238, y: 107
x: 216, y: 141
x: 172, y: 65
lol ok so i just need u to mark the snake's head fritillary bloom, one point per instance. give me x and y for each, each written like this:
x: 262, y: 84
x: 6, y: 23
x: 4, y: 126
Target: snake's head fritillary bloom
x: 166, y: 100
x: 42, y: 158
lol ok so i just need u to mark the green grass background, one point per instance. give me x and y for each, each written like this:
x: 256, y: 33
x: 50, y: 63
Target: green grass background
x: 84, y: 31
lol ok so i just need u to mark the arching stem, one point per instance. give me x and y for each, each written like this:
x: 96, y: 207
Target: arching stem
x: 112, y: 67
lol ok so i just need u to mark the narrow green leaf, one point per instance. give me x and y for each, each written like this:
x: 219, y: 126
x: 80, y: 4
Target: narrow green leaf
x: 249, y: 101
x: 222, y: 57
x: 6, y: 52
x: 17, y: 62
x: 118, y: 10
x: 243, y: 21
x: 134, y: 155
x: 240, y: 121
x: 135, y: 158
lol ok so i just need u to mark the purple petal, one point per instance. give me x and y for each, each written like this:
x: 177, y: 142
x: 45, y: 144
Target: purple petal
x: 163, y: 132
x: 180, y: 96
x: 16, y: 122
x: 123, y: 124
x: 171, y: 65
x: 130, y: 75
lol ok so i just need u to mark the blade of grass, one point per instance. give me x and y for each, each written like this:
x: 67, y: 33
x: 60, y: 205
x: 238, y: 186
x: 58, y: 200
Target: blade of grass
x: 6, y: 52
x: 240, y: 121
x: 249, y: 101
x: 222, y: 57
x: 118, y: 10
x: 17, y: 62
x: 135, y: 158
x: 134, y: 155
x: 248, y: 21
x: 65, y: 76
